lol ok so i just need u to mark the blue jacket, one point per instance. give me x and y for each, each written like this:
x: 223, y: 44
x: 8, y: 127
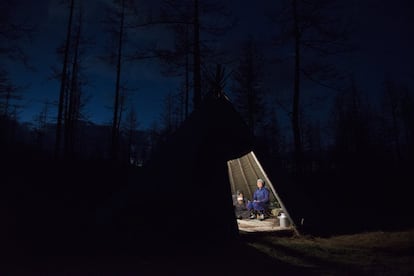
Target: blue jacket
x: 262, y: 195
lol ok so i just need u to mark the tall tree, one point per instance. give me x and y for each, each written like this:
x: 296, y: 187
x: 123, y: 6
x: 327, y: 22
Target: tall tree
x: 192, y: 32
x: 115, y: 120
x: 9, y: 97
x: 351, y: 124
x: 176, y: 62
x: 9, y: 94
x: 315, y: 30
x: 248, y: 77
x: 398, y: 117
x: 71, y: 108
x: 63, y: 81
x: 13, y: 31
x: 196, y: 57
x: 118, y: 22
x: 75, y: 99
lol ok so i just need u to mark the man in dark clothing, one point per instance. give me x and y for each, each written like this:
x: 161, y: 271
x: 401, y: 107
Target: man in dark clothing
x: 240, y: 208
x: 260, y: 202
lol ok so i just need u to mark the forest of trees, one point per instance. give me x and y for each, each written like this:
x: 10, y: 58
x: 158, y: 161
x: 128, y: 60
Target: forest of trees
x: 335, y: 139
x: 294, y: 126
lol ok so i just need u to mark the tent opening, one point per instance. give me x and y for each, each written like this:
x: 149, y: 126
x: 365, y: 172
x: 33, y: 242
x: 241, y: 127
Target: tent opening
x: 243, y: 175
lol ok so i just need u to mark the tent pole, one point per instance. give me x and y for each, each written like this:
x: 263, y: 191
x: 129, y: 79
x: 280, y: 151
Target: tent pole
x: 230, y: 171
x: 244, y: 178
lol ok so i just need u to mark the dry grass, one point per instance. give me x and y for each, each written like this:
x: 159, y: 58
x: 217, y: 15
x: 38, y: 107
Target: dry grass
x: 373, y: 253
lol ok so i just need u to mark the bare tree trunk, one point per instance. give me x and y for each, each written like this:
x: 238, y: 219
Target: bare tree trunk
x: 73, y: 107
x: 248, y: 75
x: 296, y: 92
x: 63, y: 84
x: 122, y: 98
x: 115, y: 125
x: 66, y: 114
x: 197, y: 61
x: 187, y: 72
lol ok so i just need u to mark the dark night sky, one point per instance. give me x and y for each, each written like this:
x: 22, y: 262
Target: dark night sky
x: 383, y: 36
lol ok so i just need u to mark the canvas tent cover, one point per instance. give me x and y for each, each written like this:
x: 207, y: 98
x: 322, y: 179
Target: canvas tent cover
x: 187, y: 184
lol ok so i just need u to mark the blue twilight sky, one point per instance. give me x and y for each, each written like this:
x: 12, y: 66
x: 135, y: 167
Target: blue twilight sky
x: 383, y: 35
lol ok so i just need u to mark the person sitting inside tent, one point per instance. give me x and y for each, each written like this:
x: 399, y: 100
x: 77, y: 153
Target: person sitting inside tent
x: 260, y: 203
x: 239, y: 204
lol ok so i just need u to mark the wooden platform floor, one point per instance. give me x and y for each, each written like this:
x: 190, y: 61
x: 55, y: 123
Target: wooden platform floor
x: 255, y: 225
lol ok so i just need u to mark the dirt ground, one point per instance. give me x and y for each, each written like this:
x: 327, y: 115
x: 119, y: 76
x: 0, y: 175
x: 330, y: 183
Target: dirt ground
x: 372, y: 253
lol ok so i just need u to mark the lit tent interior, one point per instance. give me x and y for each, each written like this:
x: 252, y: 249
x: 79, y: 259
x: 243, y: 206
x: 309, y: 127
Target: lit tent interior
x: 243, y: 173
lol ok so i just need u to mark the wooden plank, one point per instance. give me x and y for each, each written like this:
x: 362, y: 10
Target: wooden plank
x: 267, y: 225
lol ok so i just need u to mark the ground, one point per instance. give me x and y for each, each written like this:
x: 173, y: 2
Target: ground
x: 267, y: 225
x: 25, y: 206
x: 371, y: 253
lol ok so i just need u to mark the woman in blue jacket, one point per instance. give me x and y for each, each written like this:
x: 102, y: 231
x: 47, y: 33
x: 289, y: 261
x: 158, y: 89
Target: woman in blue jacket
x: 260, y: 202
